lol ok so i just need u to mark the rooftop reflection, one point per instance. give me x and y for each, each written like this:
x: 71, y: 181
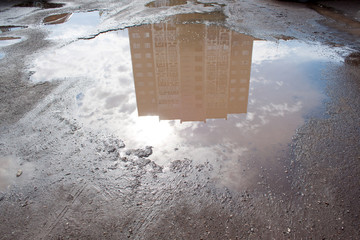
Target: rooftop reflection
x: 190, y: 72
x: 57, y: 19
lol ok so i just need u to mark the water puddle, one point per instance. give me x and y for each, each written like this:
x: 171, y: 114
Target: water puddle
x: 7, y: 41
x: 196, y: 91
x: 71, y: 25
x: 166, y: 3
x: 4, y: 29
x: 43, y: 4
x: 213, y: 17
x: 57, y: 19
x: 170, y: 3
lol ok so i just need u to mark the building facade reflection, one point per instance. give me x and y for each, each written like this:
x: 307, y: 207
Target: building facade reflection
x: 166, y: 3
x: 190, y: 72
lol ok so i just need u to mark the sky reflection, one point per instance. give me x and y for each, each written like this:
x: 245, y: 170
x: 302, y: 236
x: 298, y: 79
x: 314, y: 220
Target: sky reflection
x: 282, y: 85
x: 71, y: 25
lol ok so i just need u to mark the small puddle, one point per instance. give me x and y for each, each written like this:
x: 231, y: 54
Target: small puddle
x: 215, y: 16
x: 4, y: 29
x: 71, y: 25
x: 40, y: 4
x: 57, y: 19
x: 7, y: 41
x: 170, y: 3
x: 196, y: 91
x: 166, y: 3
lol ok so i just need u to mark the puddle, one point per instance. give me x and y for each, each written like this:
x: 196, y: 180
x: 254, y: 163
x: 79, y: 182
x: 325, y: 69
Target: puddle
x: 2, y: 55
x: 71, y: 25
x: 196, y: 91
x: 57, y: 19
x: 170, y: 3
x: 215, y: 16
x: 40, y: 4
x: 166, y: 3
x: 7, y: 41
x: 4, y: 29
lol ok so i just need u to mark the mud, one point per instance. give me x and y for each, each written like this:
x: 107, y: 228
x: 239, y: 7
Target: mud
x: 285, y: 166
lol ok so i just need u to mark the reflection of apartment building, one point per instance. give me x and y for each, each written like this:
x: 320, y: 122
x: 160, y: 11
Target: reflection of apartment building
x: 190, y: 72
x: 163, y: 3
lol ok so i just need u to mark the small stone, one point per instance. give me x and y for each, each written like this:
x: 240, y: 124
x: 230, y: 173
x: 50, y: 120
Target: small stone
x: 288, y: 230
x: 19, y: 172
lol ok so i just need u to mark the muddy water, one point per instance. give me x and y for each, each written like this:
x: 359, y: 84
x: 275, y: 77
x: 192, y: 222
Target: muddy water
x: 196, y: 91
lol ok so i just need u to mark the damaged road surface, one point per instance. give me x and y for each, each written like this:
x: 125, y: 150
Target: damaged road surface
x: 179, y: 120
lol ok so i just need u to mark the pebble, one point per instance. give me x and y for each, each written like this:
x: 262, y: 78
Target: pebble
x: 19, y: 172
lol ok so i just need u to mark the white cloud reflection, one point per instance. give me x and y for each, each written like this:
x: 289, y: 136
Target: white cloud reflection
x: 295, y: 51
x: 282, y: 90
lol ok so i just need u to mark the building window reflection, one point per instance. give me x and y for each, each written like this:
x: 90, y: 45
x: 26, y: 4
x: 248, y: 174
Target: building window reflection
x: 197, y: 71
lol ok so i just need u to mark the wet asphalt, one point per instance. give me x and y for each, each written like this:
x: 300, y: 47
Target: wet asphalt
x: 179, y: 120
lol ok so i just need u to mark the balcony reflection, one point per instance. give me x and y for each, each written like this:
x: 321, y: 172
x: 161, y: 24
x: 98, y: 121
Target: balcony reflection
x: 190, y: 72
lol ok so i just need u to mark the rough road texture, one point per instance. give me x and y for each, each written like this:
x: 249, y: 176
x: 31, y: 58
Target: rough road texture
x: 81, y: 183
